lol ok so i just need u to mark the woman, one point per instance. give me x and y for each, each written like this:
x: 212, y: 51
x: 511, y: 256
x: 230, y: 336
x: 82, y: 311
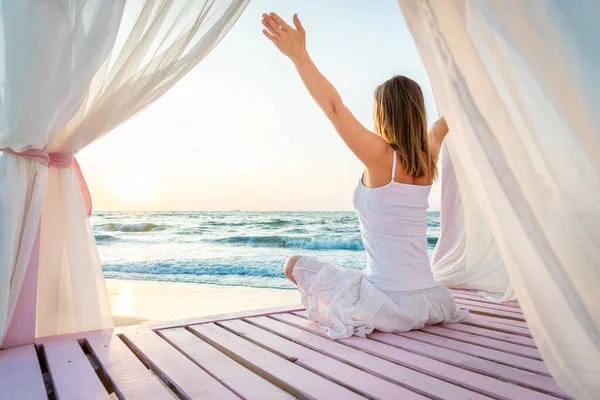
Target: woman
x: 397, y: 291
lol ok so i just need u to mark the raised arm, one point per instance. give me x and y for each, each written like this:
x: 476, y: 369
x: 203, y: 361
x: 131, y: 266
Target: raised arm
x: 366, y: 145
x: 437, y: 133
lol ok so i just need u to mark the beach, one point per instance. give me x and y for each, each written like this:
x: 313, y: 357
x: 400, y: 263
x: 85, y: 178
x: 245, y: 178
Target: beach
x: 135, y: 302
x: 165, y: 266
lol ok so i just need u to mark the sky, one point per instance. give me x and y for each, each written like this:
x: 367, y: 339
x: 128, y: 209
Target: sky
x: 240, y: 131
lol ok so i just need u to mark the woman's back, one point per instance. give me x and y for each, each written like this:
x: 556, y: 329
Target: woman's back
x: 393, y: 221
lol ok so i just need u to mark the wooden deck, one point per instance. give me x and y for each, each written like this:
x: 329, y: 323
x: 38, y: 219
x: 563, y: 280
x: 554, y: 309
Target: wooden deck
x: 279, y: 354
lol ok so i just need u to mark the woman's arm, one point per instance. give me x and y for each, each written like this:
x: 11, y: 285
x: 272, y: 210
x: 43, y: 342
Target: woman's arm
x: 437, y: 133
x: 366, y: 145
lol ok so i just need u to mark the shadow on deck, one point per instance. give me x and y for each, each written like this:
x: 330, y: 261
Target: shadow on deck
x: 278, y: 353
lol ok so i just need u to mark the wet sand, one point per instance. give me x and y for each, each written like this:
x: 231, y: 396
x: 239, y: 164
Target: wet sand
x: 134, y: 302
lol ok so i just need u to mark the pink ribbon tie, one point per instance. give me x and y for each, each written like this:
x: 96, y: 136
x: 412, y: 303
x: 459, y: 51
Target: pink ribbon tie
x: 58, y: 160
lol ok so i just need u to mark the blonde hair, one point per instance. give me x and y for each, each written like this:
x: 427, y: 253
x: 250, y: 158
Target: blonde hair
x: 401, y: 120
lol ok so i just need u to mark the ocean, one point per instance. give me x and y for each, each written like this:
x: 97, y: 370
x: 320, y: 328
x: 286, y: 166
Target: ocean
x: 227, y: 248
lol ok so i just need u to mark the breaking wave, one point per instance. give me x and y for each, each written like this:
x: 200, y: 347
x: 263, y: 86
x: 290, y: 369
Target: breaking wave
x: 131, y: 227
x: 293, y: 242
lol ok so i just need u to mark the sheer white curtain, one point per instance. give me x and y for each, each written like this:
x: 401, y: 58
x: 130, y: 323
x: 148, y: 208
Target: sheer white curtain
x: 70, y: 72
x: 466, y: 255
x: 518, y: 84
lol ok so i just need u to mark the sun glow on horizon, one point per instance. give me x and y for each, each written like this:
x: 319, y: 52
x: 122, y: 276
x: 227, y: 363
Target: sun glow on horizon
x: 134, y: 189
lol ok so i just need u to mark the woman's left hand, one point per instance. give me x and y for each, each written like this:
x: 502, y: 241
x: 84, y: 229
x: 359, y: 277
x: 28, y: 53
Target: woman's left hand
x: 290, y: 41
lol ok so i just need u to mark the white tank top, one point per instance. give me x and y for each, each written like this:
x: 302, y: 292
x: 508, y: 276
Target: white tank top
x: 393, y: 224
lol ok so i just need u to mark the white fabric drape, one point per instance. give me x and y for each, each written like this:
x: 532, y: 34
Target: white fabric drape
x: 517, y: 83
x: 70, y: 72
x: 466, y: 255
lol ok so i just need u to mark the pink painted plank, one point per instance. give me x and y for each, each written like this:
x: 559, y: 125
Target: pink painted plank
x: 482, y: 322
x: 185, y: 378
x: 73, y: 377
x: 222, y: 317
x: 485, y: 342
x: 332, y: 369
x: 20, y: 374
x: 308, y: 334
x: 476, y: 297
x: 489, y: 311
x: 506, y: 321
x: 293, y: 378
x: 475, y: 293
x: 130, y: 378
x: 456, y: 373
x: 237, y: 378
x: 477, y: 351
x: 493, y: 334
x: 498, y: 307
x: 301, y: 314
x: 75, y: 336
x: 476, y: 364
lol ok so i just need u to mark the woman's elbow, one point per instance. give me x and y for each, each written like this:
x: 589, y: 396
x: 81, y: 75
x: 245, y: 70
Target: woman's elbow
x: 333, y: 109
x: 441, y: 126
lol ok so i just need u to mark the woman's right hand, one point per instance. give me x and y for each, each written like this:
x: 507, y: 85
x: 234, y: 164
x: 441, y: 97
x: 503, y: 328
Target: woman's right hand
x: 291, y: 42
